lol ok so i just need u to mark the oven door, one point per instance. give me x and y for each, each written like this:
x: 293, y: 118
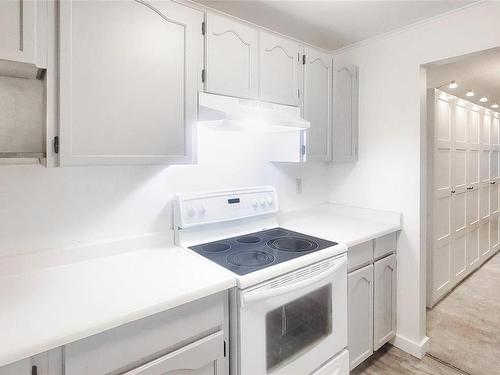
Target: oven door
x: 294, y: 323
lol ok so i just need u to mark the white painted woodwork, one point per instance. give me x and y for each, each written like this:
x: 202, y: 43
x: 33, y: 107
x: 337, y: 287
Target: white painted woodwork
x: 360, y: 255
x: 360, y: 309
x: 465, y: 229
x: 345, y: 112
x: 47, y: 363
x: 385, y: 245
x: 154, y: 337
x: 339, y: 365
x: 232, y: 57
x: 203, y: 357
x: 23, y: 30
x: 128, y: 83
x: 279, y: 69
x: 384, y: 314
x: 317, y: 104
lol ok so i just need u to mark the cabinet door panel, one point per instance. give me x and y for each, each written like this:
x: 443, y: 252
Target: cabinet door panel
x: 231, y: 58
x: 279, y: 69
x: 317, y: 102
x: 130, y: 73
x: 384, y: 317
x: 345, y: 113
x: 360, y: 295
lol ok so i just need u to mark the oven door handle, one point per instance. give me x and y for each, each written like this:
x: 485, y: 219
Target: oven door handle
x: 259, y: 294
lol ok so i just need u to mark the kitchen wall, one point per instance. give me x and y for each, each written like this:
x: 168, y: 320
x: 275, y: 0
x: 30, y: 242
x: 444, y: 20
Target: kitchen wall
x: 44, y: 208
x: 391, y: 162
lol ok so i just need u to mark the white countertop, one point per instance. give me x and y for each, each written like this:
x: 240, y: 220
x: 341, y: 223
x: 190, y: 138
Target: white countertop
x: 349, y: 225
x: 52, y: 306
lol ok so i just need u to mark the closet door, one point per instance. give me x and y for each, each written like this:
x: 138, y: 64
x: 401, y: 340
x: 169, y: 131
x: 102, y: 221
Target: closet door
x: 130, y: 72
x: 317, y: 104
x: 494, y: 182
x: 473, y: 183
x: 458, y: 262
x: 484, y: 193
x: 442, y: 220
x: 232, y: 58
x: 279, y: 69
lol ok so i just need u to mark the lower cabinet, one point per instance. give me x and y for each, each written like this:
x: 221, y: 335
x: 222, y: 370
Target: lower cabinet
x: 371, y: 298
x: 360, y: 309
x: 384, y: 314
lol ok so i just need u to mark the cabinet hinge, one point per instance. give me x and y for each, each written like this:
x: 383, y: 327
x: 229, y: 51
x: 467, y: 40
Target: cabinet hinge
x: 225, y: 352
x: 303, y: 149
x: 203, y: 74
x: 203, y: 28
x: 303, y: 59
x: 56, y: 144
x: 34, y: 370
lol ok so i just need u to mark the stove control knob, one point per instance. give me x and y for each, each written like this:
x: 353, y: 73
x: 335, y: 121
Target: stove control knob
x: 262, y: 202
x: 190, y: 211
x: 202, y: 210
x: 254, y: 203
x: 270, y: 201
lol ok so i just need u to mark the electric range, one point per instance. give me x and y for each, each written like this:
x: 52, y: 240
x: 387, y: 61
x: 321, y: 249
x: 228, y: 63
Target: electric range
x: 288, y: 313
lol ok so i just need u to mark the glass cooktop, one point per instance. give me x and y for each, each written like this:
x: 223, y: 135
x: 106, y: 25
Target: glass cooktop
x: 254, y: 251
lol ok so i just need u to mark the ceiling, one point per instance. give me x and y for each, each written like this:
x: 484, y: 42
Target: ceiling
x: 333, y: 24
x: 479, y: 72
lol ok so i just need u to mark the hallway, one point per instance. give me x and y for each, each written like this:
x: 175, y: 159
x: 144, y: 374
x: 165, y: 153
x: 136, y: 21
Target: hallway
x: 464, y: 331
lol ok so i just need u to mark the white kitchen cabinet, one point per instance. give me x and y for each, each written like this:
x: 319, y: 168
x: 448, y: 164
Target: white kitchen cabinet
x: 279, y: 69
x: 384, y: 296
x: 203, y: 357
x: 317, y: 103
x: 345, y: 112
x: 130, y: 72
x: 360, y: 309
x: 23, y: 30
x: 45, y: 363
x: 189, y: 339
x: 232, y: 57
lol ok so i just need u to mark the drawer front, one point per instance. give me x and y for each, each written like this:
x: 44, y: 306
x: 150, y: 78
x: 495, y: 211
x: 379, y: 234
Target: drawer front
x: 133, y: 344
x: 339, y: 365
x: 385, y: 245
x: 360, y: 255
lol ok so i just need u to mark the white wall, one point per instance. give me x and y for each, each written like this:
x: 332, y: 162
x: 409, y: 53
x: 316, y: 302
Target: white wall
x: 388, y: 173
x: 44, y: 208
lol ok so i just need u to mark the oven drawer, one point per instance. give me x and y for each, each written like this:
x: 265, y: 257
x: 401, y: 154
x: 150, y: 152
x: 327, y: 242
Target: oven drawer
x: 338, y: 365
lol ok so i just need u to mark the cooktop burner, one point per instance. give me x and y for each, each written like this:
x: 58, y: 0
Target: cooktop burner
x: 254, y: 251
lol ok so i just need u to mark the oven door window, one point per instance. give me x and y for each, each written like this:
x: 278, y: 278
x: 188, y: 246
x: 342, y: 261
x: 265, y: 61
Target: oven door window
x: 292, y: 328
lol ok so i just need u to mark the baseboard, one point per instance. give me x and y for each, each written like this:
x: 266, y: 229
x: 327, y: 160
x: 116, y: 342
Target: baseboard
x: 411, y: 347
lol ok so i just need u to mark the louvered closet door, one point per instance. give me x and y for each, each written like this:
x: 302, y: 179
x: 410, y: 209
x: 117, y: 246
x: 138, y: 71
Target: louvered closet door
x: 458, y: 262
x: 484, y: 192
x: 494, y: 174
x: 473, y: 180
x: 442, y: 221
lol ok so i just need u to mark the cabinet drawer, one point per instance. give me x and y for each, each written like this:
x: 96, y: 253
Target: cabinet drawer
x: 360, y: 255
x: 133, y: 344
x: 200, y: 357
x: 385, y: 245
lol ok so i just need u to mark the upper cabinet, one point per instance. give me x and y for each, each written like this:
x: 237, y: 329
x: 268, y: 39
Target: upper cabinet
x: 317, y: 103
x: 23, y: 30
x: 279, y: 69
x: 232, y: 58
x: 130, y: 72
x: 345, y: 112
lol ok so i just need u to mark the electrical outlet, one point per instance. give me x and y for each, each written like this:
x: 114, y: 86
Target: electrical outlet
x: 298, y: 185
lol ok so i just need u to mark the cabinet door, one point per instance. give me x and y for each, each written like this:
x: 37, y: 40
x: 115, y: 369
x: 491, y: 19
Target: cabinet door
x: 384, y: 316
x: 360, y: 299
x: 23, y: 30
x: 232, y: 58
x: 317, y: 104
x: 203, y: 357
x: 279, y: 69
x: 129, y: 75
x: 345, y: 113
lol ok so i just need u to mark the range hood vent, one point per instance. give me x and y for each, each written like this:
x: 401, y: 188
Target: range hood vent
x: 218, y: 107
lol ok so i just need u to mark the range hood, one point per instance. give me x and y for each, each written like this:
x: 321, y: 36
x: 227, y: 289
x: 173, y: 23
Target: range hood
x: 218, y: 107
